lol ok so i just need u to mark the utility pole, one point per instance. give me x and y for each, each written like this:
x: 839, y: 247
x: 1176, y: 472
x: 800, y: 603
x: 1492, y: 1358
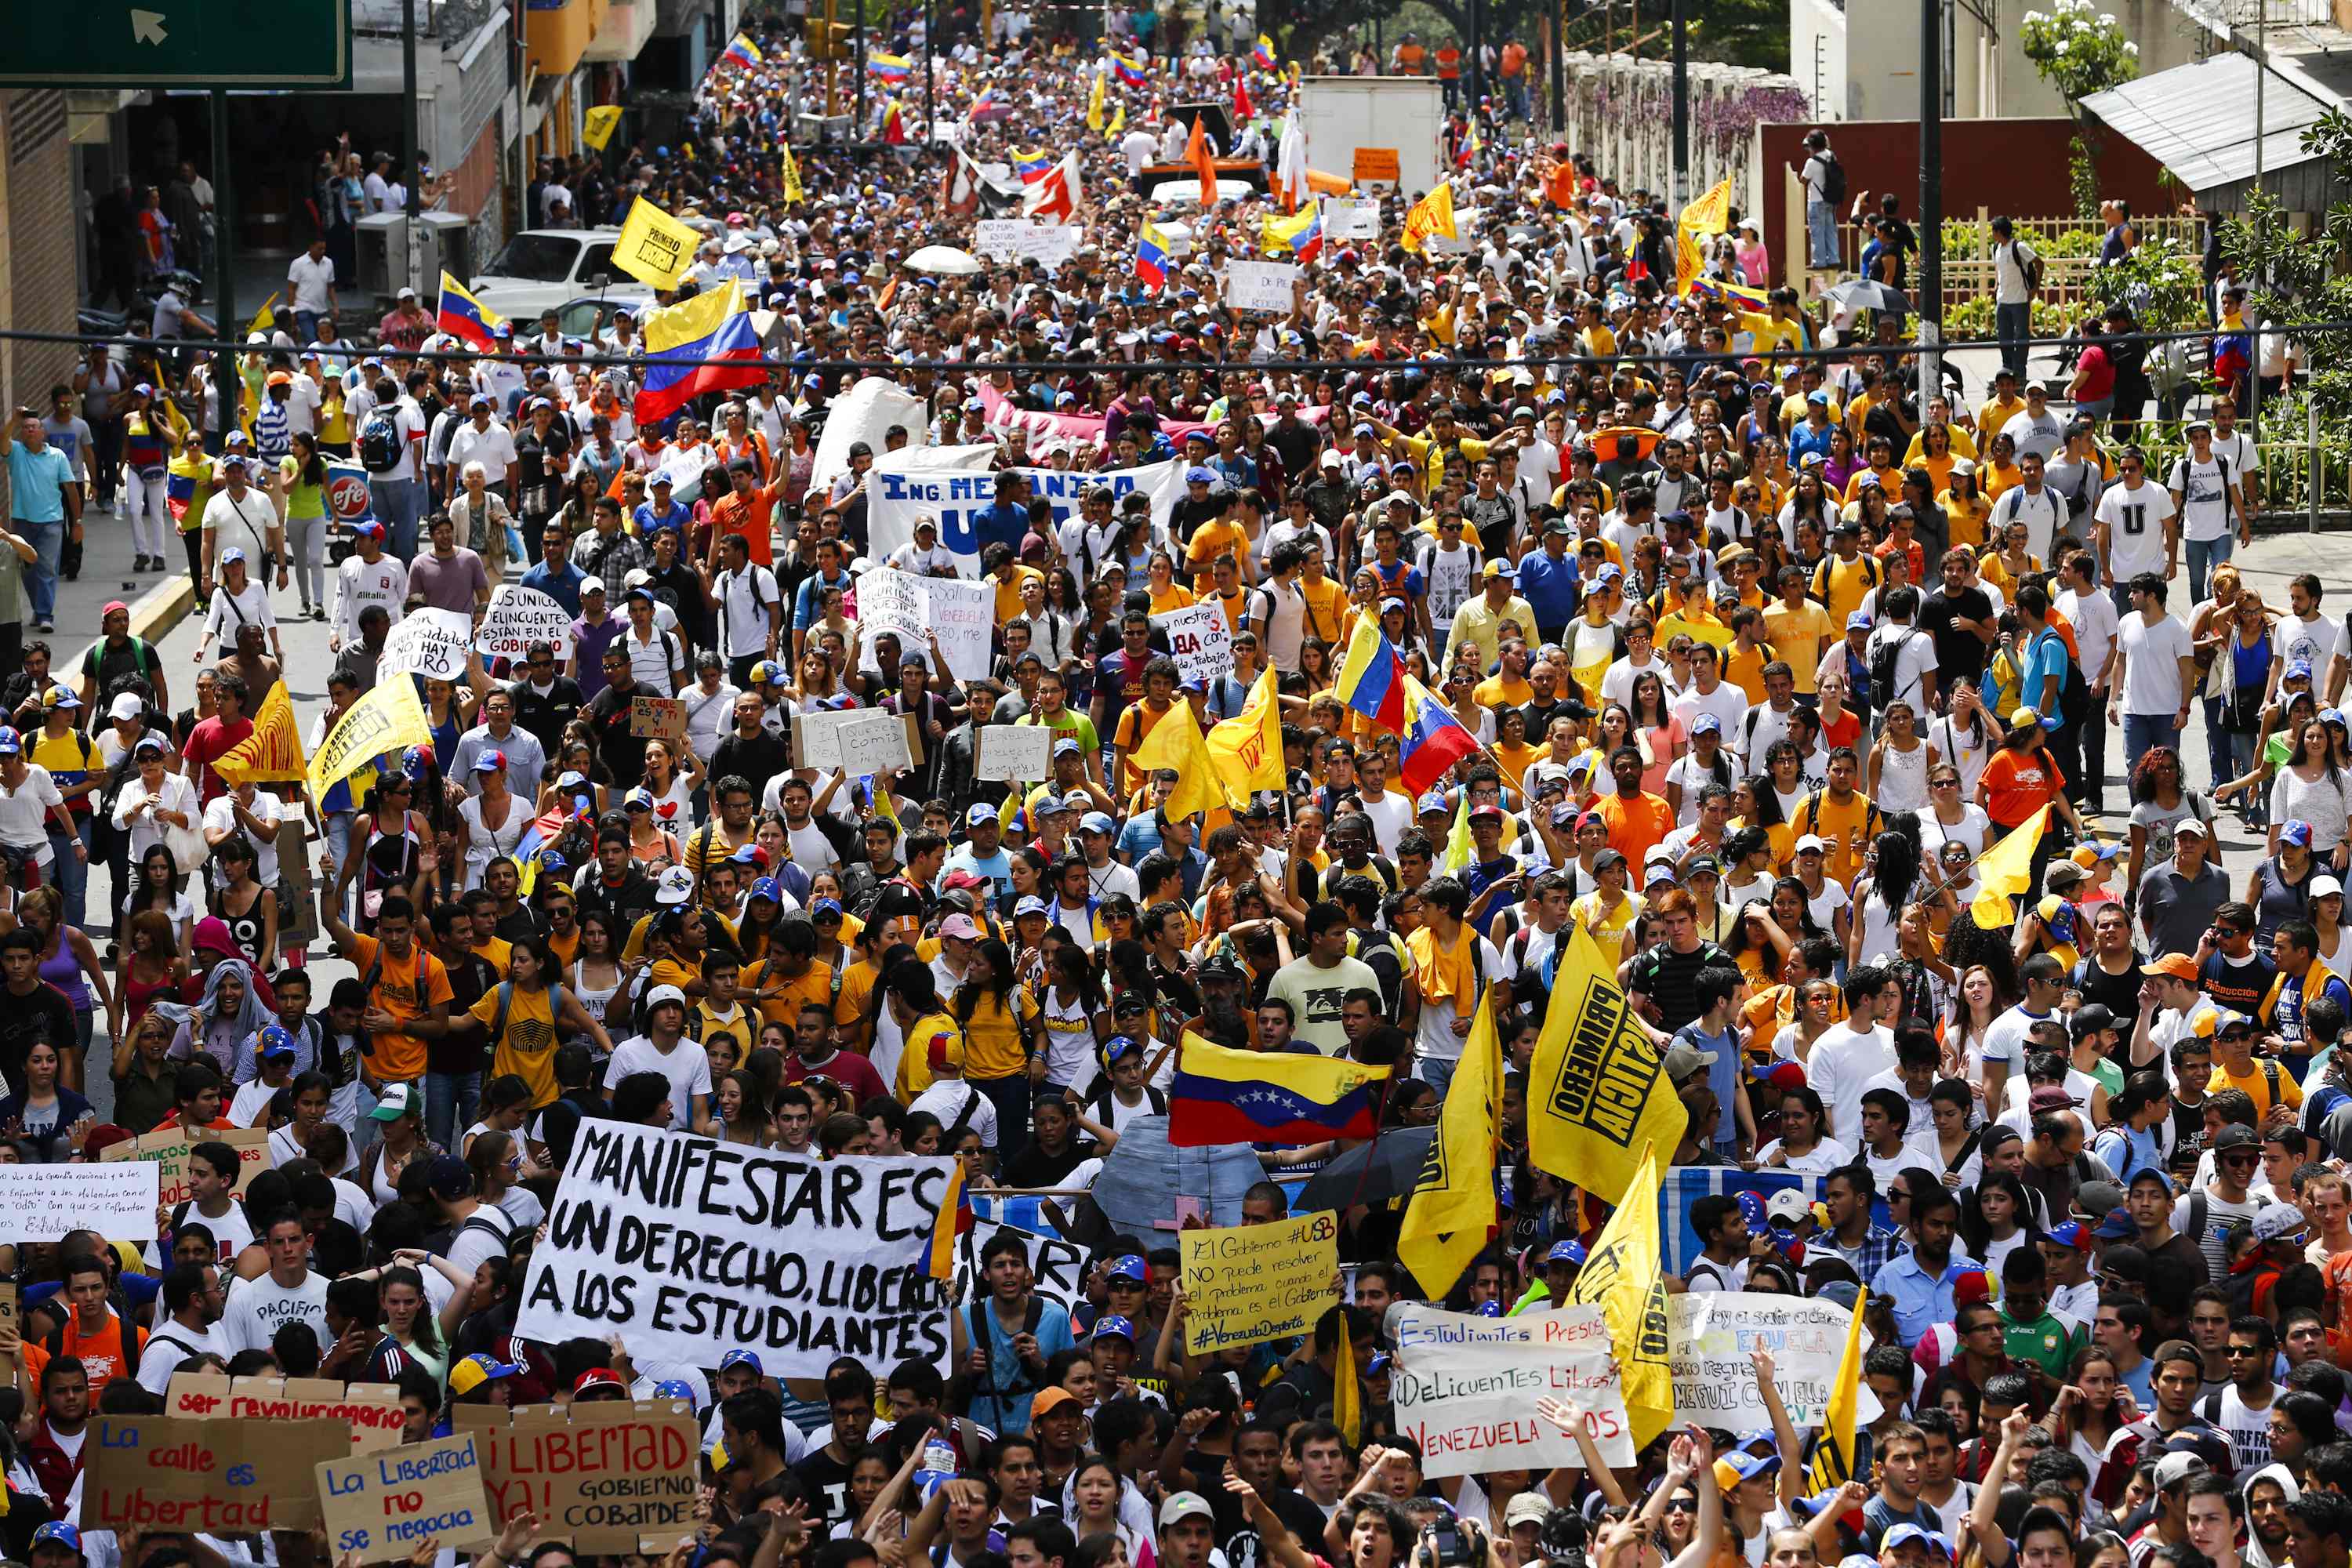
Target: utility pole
x: 228, y: 386
x: 411, y: 226
x: 1931, y: 194
x: 1682, y: 110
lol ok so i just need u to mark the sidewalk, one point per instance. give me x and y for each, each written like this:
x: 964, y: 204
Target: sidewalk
x: 158, y: 600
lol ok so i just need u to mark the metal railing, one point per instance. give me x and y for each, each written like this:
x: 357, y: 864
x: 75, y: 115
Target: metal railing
x: 2065, y: 276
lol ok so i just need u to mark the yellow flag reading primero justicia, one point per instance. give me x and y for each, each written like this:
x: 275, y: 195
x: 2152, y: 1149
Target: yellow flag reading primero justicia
x: 655, y: 247
x: 1597, y: 1088
x: 388, y: 718
x: 1450, y: 1216
x: 1621, y: 1279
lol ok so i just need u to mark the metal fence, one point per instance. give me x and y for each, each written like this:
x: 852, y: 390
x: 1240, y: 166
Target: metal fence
x: 2069, y: 248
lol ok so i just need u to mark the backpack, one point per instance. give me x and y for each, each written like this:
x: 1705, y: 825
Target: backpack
x: 1832, y: 178
x: 1885, y: 661
x: 2030, y: 265
x: 505, y: 1000
x: 380, y: 448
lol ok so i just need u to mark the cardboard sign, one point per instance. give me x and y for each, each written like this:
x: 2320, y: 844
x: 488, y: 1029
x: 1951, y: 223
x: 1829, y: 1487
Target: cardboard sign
x: 1246, y: 1284
x: 372, y: 1410
x: 1018, y: 239
x: 8, y: 1323
x: 1013, y: 753
x: 41, y: 1202
x: 165, y: 1473
x: 678, y: 1243
x: 1261, y: 286
x: 520, y: 616
x: 169, y: 1150
x: 1198, y: 640
x: 656, y: 718
x: 816, y: 738
x: 919, y: 610
x: 1374, y: 164
x: 1466, y: 1388
x: 612, y: 1475
x: 876, y: 743
x: 380, y: 1507
x: 434, y: 643
x: 1714, y: 1332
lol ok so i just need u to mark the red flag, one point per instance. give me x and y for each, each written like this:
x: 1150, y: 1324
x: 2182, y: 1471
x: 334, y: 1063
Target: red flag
x: 1243, y: 112
x: 1196, y: 153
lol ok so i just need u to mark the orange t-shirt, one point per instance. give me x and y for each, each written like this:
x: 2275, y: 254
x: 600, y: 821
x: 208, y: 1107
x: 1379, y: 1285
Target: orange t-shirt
x: 748, y: 517
x: 404, y: 988
x: 100, y: 1354
x: 1637, y: 824
x: 2018, y: 784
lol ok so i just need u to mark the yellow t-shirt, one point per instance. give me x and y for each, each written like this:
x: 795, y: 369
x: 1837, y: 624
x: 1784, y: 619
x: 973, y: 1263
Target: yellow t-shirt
x: 1210, y: 541
x: 780, y: 1001
x: 497, y: 954
x: 705, y: 1021
x: 915, y: 1061
x: 1965, y: 519
x: 857, y: 983
x: 2256, y: 1086
x: 1008, y: 591
x: 1841, y: 584
x: 1501, y: 691
x: 1796, y: 636
x: 1995, y: 414
x: 527, y: 1049
x: 1845, y: 829
x: 992, y: 1035
x: 1743, y: 668
x: 1586, y: 912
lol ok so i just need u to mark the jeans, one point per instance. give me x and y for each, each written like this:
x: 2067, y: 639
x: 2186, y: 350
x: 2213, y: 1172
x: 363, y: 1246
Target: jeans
x: 1011, y: 1096
x: 2012, y: 324
x: 72, y: 872
x: 2217, y: 738
x: 1438, y: 1073
x: 400, y: 507
x: 452, y: 1100
x: 48, y: 541
x: 106, y: 465
x: 1515, y: 99
x: 1821, y: 233
x: 306, y: 324
x: 2204, y: 554
x: 2142, y: 730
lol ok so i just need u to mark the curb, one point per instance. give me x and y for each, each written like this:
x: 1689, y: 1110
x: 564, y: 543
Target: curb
x: 162, y: 608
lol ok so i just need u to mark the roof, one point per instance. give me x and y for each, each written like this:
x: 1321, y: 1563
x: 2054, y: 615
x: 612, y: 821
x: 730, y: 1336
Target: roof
x: 2198, y: 120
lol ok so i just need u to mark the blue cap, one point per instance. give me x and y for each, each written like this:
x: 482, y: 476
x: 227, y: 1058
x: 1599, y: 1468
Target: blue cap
x: 675, y: 1388
x: 2297, y: 669
x: 277, y: 1042
x: 10, y: 744
x: 768, y: 887
x: 1031, y: 905
x: 1200, y: 476
x: 1098, y: 822
x: 60, y: 1532
x: 1568, y: 1250
x: 980, y: 813
x: 1859, y: 621
x: 1746, y: 1467
x: 741, y: 1358
x: 1067, y: 747
x: 2295, y: 831
x: 1120, y: 1046
x: 1751, y: 1209
x: 1112, y: 1323
x: 1706, y: 724
x: 1129, y: 1266
x: 1433, y: 800
x: 2118, y: 1226
x: 824, y: 907
x: 1377, y: 1364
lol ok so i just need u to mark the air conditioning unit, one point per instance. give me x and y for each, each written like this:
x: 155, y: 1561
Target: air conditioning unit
x: 449, y: 248
x: 382, y: 253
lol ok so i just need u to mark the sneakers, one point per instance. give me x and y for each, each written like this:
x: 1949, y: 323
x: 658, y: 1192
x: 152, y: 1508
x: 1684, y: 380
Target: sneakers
x: 45, y: 625
x: 318, y: 612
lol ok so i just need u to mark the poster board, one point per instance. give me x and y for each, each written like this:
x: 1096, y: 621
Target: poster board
x: 1261, y: 286
x: 1377, y: 165
x: 1013, y: 753
x: 372, y: 1410
x: 657, y: 718
x: 1713, y: 1335
x: 816, y: 738
x: 958, y: 616
x: 1246, y: 1284
x: 42, y: 1203
x: 380, y: 1507
x: 168, y: 1473
x: 1466, y: 1388
x: 520, y: 616
x: 1351, y: 217
x: 1198, y: 640
x: 610, y: 1476
x: 435, y: 644
x: 876, y: 743
x: 169, y: 1148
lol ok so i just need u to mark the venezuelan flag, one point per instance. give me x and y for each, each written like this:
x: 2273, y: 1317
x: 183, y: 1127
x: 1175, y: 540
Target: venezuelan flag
x: 894, y: 124
x: 188, y: 481
x: 695, y: 347
x: 1263, y: 56
x: 890, y: 68
x: 1299, y: 237
x: 1032, y: 164
x: 1434, y: 739
x: 463, y: 316
x: 982, y: 104
x: 1733, y: 294
x: 1152, y: 255
x: 1130, y: 72
x: 743, y: 51
x: 1221, y: 1096
x: 1371, y: 678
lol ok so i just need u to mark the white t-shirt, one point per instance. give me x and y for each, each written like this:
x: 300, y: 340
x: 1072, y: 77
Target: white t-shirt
x: 953, y: 1099
x: 687, y: 1066
x: 24, y: 812
x: 2095, y: 621
x: 266, y: 808
x: 258, y: 1309
x: 1913, y: 662
x: 165, y: 1348
x: 244, y: 524
x: 2151, y: 664
x: 312, y: 281
x: 2205, y: 511
x: 2134, y: 520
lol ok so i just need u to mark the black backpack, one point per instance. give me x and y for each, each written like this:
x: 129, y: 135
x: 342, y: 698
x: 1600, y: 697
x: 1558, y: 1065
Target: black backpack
x: 1832, y: 178
x: 380, y: 448
x: 1885, y: 661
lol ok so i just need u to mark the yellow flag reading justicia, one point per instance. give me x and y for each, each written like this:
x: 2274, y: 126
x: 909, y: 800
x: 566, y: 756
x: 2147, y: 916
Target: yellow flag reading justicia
x: 273, y: 752
x: 1449, y: 1216
x: 596, y: 129
x: 1597, y: 1088
x: 1432, y: 214
x: 388, y: 718
x: 1246, y: 749
x: 1833, y: 1463
x: 1621, y: 1279
x: 653, y: 248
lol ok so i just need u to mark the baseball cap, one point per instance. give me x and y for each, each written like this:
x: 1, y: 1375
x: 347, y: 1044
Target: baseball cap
x: 398, y: 1101
x: 1567, y: 1250
x: 1683, y: 1059
x: 1740, y: 1464
x: 1183, y: 1505
x: 662, y: 993
x: 275, y: 1042
x: 1098, y: 822
x: 476, y: 1369
x: 1032, y: 905
x: 1813, y: 842
x: 960, y: 928
x: 674, y: 886
x: 126, y: 706
x: 2171, y: 1471
x: 742, y: 1358
x: 2237, y: 1136
x: 2295, y: 831
x: 1116, y: 1325
x: 2278, y: 1223
x: 495, y: 761
x: 979, y: 814
x: 598, y: 1378
x: 449, y: 1178
x: 2073, y: 1233
x: 2189, y: 825
x: 56, y: 1531
x: 1048, y: 1400
x: 2173, y: 965
x: 1129, y: 1266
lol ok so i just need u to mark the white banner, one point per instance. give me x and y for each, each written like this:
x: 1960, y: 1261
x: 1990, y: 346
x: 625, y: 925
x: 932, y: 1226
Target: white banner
x: 865, y: 413
x: 1348, y: 219
x: 1013, y: 753
x: 916, y: 609
x: 954, y: 485
x: 41, y: 1202
x: 1019, y: 240
x: 1714, y: 1334
x: 1261, y: 286
x: 1059, y: 1267
x: 1466, y: 1388
x: 679, y: 1243
x: 430, y: 643
x: 520, y: 616
x: 1198, y: 640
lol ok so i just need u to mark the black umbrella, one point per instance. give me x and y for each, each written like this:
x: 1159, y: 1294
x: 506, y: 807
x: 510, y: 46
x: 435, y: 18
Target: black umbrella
x: 1387, y: 1167
x: 1869, y: 294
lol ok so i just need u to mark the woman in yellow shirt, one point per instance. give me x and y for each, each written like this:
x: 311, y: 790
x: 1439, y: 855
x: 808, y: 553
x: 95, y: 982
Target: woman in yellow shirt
x: 2011, y: 563
x: 1965, y: 505
x: 1608, y: 911
x: 2000, y: 469
x: 1511, y: 748
x: 1167, y: 593
x: 1933, y: 450
x: 1000, y: 1022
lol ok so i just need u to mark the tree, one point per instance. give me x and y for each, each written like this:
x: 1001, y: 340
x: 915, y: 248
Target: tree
x: 2294, y: 279
x: 2080, y: 51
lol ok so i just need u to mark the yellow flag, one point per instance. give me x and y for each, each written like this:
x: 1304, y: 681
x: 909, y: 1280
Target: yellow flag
x: 1459, y: 848
x: 1715, y: 634
x: 273, y: 752
x: 655, y: 249
x: 265, y: 319
x: 1833, y: 1463
x: 1246, y: 749
x: 1587, y: 676
x: 1175, y: 743
x: 1346, y: 1392
x: 1449, y: 1216
x: 596, y: 129
x: 1711, y: 214
x: 1597, y: 1088
x: 2006, y: 870
x: 1432, y: 214
x: 388, y: 718
x: 1118, y: 119
x: 1621, y: 1279
x: 1095, y: 104
x: 791, y: 168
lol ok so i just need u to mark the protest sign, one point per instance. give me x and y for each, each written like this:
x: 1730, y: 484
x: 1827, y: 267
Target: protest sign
x: 679, y: 1243
x: 1058, y: 1267
x: 169, y: 1151
x: 815, y: 739
x: 1246, y: 1284
x: 8, y: 1326
x: 430, y: 643
x: 657, y: 718
x: 1715, y: 1333
x: 1018, y: 239
x: 955, y: 487
x: 917, y: 609
x: 1261, y: 285
x: 1345, y: 218
x: 1013, y: 753
x: 380, y: 1507
x: 163, y: 1474
x: 41, y: 1202
x: 371, y: 1409
x: 865, y: 413
x: 1198, y: 640
x: 520, y: 616
x: 875, y: 743
x: 1466, y: 1388
x: 610, y: 1476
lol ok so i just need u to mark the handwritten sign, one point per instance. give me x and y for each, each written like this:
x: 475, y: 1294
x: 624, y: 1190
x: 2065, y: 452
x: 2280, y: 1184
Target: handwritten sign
x: 1018, y: 239
x: 41, y: 1202
x: 916, y: 609
x: 1198, y: 640
x: 1713, y: 1335
x: 520, y: 616
x: 1246, y: 1284
x: 956, y: 488
x: 1016, y: 753
x: 434, y: 643
x: 169, y: 1474
x: 613, y: 1476
x: 1466, y: 1388
x: 380, y: 1507
x: 658, y: 717
x: 875, y: 743
x: 1345, y: 218
x: 169, y: 1151
x: 1376, y: 166
x: 1261, y: 285
x: 1057, y: 1266
x: 816, y: 737
x: 8, y: 1324
x: 371, y: 1409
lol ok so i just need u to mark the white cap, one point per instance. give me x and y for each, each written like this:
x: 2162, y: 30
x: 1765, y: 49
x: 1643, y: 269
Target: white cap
x: 126, y: 706
x: 661, y: 993
x: 1810, y: 841
x: 2322, y: 886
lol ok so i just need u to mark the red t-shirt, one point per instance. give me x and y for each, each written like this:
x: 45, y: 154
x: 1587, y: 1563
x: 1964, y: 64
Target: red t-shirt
x: 2098, y: 373
x: 209, y: 741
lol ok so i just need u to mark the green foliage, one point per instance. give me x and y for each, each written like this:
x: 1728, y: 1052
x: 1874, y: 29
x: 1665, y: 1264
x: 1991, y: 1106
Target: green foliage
x: 2083, y: 174
x: 2079, y: 50
x: 1971, y: 321
x: 2162, y: 282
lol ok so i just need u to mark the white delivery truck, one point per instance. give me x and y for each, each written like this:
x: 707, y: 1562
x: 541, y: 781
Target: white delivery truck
x: 1401, y: 116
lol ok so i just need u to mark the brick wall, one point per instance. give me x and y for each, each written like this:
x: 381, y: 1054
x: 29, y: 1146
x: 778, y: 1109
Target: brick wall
x: 40, y: 284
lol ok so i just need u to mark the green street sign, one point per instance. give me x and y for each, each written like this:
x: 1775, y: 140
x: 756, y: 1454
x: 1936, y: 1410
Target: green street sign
x: 238, y: 43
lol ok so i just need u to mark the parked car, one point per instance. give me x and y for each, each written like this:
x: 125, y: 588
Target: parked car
x: 544, y: 268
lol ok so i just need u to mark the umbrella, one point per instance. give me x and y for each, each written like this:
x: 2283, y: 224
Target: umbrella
x: 946, y: 260
x: 1387, y: 1167
x: 1869, y: 294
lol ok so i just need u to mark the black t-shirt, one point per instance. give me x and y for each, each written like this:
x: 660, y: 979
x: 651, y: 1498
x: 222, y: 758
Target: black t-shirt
x: 1034, y: 1167
x: 45, y: 1015
x: 471, y: 979
x: 623, y: 754
x: 826, y: 1481
x: 1670, y: 979
x: 1959, y: 653
x: 758, y: 758
x: 2119, y: 993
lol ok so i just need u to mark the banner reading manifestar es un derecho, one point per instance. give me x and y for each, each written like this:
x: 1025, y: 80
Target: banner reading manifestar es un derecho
x: 678, y: 1243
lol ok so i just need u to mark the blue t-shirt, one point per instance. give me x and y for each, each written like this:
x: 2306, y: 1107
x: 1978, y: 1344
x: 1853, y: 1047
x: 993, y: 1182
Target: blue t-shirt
x: 996, y: 867
x: 652, y: 519
x: 1549, y: 586
x: 563, y: 587
x: 38, y: 481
